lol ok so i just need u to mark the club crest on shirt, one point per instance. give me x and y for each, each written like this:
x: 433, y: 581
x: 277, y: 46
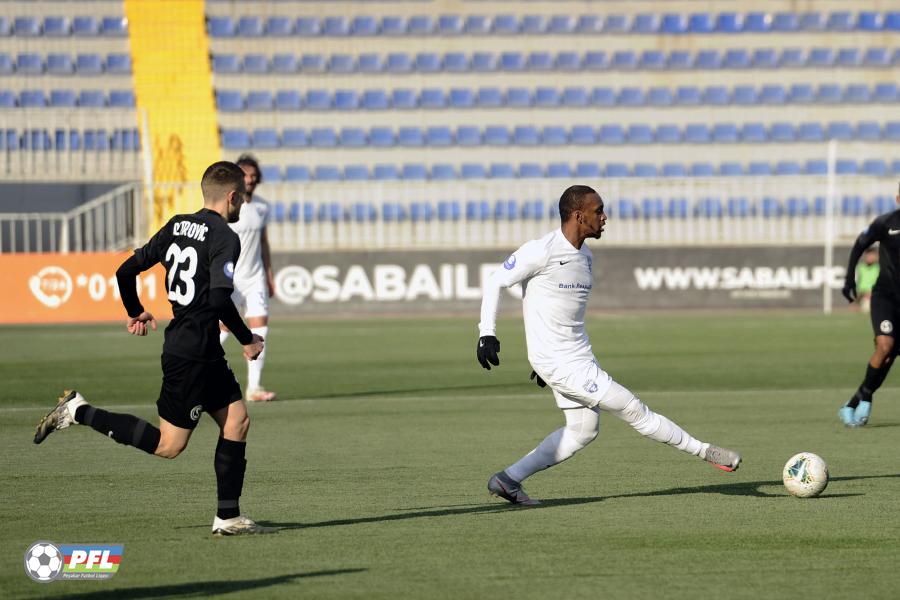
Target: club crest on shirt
x: 590, y: 386
x: 886, y: 326
x: 510, y: 263
x: 229, y: 270
x: 195, y: 412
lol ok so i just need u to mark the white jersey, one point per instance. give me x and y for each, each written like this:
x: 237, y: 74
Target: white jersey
x: 250, y: 227
x: 556, y: 282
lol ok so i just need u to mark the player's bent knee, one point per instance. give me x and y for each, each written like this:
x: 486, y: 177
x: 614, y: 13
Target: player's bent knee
x: 583, y: 438
x: 237, y: 428
x: 169, y: 450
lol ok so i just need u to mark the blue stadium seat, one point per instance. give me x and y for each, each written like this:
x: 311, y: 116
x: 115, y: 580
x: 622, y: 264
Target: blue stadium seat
x: 329, y: 211
x: 271, y: 173
x: 336, y: 26
x: 537, y: 24
x: 410, y: 137
x: 279, y: 212
x: 506, y: 210
x: 660, y: 96
x: 483, y: 62
x: 737, y: 58
x: 58, y: 98
x: 786, y: 22
x: 26, y: 26
x: 772, y: 94
x: 885, y: 93
x: 587, y: 170
x: 646, y: 23
x: 725, y: 133
x: 829, y: 93
x: 845, y: 167
x: 307, y: 27
x: 391, y: 25
x: 284, y: 63
x: 233, y: 139
x: 568, y: 61
x: 759, y: 168
x: 394, y: 212
x: 603, y: 96
x: 450, y: 25
x: 85, y: 26
x: 674, y: 24
x: 477, y: 210
x: 540, y: 61
x: 731, y: 169
x: 645, y: 170
x: 114, y: 26
x: 771, y: 207
x: 428, y: 62
x: 530, y: 171
x: 352, y: 137
x: 364, y: 25
x: 810, y: 132
x: 384, y: 172
x: 883, y: 204
x: 467, y: 135
x: 265, y: 137
x: 856, y: 93
x: 613, y: 24
x: 496, y: 135
x: 653, y: 208
x: 32, y: 99
x: 877, y: 58
x: 438, y: 136
x: 583, y: 135
x: 765, y: 58
x: 501, y: 171
x: 796, y: 206
x: 296, y: 173
x: 708, y: 59
x: 815, y: 166
x: 455, y: 62
x: 279, y: 26
x: 841, y: 21
x: 489, y: 97
x: 848, y: 57
x: 787, y: 167
x: 362, y: 212
x: 60, y: 64
x: 595, y: 61
x: 317, y: 100
x: 839, y: 130
x: 225, y: 63
x: 259, y: 100
x: 801, y: 93
x: 341, y: 63
x: 118, y: 64
x: 611, y: 134
x: 91, y: 99
x: 546, y: 96
x: 346, y: 99
x: 461, y: 98
x: 677, y: 208
x: 421, y: 211
x: 875, y: 167
x: 255, y: 63
x: 369, y: 62
x: 892, y: 21
x: 398, y: 62
x: 626, y: 208
x: 757, y: 22
x: 624, y: 60
x: 404, y: 99
x: 668, y: 134
x: 674, y: 170
x: 892, y: 131
x: 744, y: 95
x: 294, y: 137
x: 29, y: 63
x: 443, y: 172
x: 853, y: 206
x: 688, y: 95
x: 639, y: 134
x: 792, y: 58
x: 728, y: 22
x: 414, y: 172
x: 680, y: 60
x: 473, y: 171
x: 753, y: 133
x: 121, y: 98
x: 505, y: 24
x: 781, y: 132
x: 56, y: 26
x: 553, y: 135
x: 615, y: 170
x: 375, y: 100
x: 288, y: 100
x: 432, y: 98
x: 820, y: 58
x: 630, y: 96
x: 868, y: 131
x: 559, y: 170
x: 420, y: 25
x: 575, y: 96
x: 652, y: 60
x: 526, y: 135
x: 709, y: 207
x: 323, y: 137
x: 250, y: 26
x: 697, y: 133
x: 812, y: 21
x: 560, y: 24
x: 533, y: 210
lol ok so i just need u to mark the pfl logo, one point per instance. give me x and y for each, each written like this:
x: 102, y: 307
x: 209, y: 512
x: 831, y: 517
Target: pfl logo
x: 45, y: 561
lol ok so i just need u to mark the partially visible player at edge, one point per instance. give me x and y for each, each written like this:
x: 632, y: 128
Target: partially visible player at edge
x: 884, y: 310
x: 556, y: 276
x: 199, y: 252
x: 254, y: 283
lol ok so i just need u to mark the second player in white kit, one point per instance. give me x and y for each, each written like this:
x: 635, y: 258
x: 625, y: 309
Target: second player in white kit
x: 253, y: 280
x: 556, y: 275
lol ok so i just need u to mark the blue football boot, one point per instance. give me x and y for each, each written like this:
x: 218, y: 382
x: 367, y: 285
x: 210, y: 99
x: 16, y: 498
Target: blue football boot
x: 847, y: 415
x: 861, y: 415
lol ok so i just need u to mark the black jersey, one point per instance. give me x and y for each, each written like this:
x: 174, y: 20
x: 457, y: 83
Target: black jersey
x: 199, y: 252
x: 886, y: 231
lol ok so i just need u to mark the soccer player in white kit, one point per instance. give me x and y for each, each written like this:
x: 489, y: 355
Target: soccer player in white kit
x: 254, y: 283
x: 556, y: 276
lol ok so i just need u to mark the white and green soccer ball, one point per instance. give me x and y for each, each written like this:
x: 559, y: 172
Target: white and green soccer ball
x: 805, y: 475
x: 43, y: 561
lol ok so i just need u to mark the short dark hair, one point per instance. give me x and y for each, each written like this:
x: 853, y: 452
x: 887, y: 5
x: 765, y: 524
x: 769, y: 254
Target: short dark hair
x: 250, y: 160
x: 220, y: 178
x: 573, y: 199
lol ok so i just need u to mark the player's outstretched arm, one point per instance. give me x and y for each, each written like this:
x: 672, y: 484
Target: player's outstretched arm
x: 138, y: 325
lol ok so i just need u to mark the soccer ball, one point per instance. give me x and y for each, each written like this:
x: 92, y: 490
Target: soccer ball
x: 805, y: 475
x: 43, y: 561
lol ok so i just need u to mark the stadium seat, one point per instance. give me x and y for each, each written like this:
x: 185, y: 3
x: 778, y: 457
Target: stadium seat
x: 812, y: 21
x: 639, y: 134
x: 294, y: 137
x: 645, y: 170
x: 726, y: 22
x: 121, y: 99
x: 787, y: 167
x: 853, y: 206
x: 250, y: 26
x: 820, y: 58
x: 364, y: 25
x: 558, y: 24
x: 271, y: 173
x: 652, y: 60
x: 756, y: 22
x: 32, y: 99
x: 659, y: 96
x: 688, y: 95
x: 653, y: 208
x: 404, y: 99
x: 393, y: 212
x: 265, y: 137
x: 346, y: 99
x: 91, y: 99
x: 114, y: 26
x: 384, y: 172
x: 892, y: 131
x: 848, y: 57
x: 796, y: 206
x: 29, y: 63
x: 473, y: 171
x: 668, y: 134
x: 575, y: 96
x: 501, y: 171
x: 537, y: 24
x: 841, y: 21
x: 58, y: 98
x: 546, y: 97
x: 450, y: 25
x: 259, y: 100
x: 810, y: 132
x: 483, y: 62
x: 883, y: 204
x: 362, y: 212
x: 530, y: 171
x: 731, y: 169
x: 461, y: 98
x: 428, y: 62
x: 856, y: 93
x: 875, y: 167
x: 352, y: 137
x: 398, y: 62
x: 455, y: 62
x: 341, y: 63
x: 624, y: 60
x: 478, y: 210
x: 885, y: 93
x: 554, y: 136
x: 839, y: 130
x: 443, y: 172
x: 709, y: 207
x: 583, y: 135
x: 375, y: 100
x: 801, y: 93
x: 257, y: 64
x: 792, y: 58
x: 708, y: 59
x: 765, y: 58
x: 220, y: 26
x: 646, y: 23
x: 868, y: 131
x: 611, y: 134
x: 626, y: 208
x: 25, y: 26
x: 56, y: 26
x: 568, y: 61
x: 279, y: 26
x: 467, y: 135
x: 674, y: 170
x: 526, y: 135
x: 697, y: 133
x: 587, y: 170
x: 725, y: 133
x: 505, y: 24
x: 369, y: 63
x: 392, y: 26
x: 323, y: 137
x: 877, y: 58
x: 753, y: 133
x: 845, y: 167
x: 612, y: 24
x: 744, y: 95
x: 233, y: 139
x: 496, y: 135
x: 539, y: 61
x: 85, y: 26
x: 759, y: 168
x: 781, y: 132
x: 829, y: 93
x: 785, y: 22
x: 674, y: 24
x: 118, y: 64
x: 680, y: 60
x: 410, y: 137
x: 60, y: 64
x: 533, y: 210
x: 677, y: 208
x: 225, y: 63
x: 438, y: 136
x: 420, y: 25
x: 892, y: 21
x: 603, y: 96
x: 432, y: 98
x: 771, y: 207
x: 288, y: 100
x: 614, y: 170
x: 772, y: 94
x: 630, y: 96
x: 336, y: 26
x: 489, y: 97
x: 414, y: 172
x: 421, y: 211
x: 317, y: 100
x: 595, y: 61
x: 737, y: 58
x: 815, y: 167
x: 559, y: 170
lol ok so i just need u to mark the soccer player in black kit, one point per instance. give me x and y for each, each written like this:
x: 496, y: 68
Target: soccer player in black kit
x: 885, y: 310
x: 199, y: 252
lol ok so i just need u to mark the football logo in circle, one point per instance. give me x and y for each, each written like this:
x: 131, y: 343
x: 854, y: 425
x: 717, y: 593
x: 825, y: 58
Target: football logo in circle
x: 43, y: 562
x: 229, y: 270
x: 886, y: 326
x: 510, y: 263
x: 195, y: 413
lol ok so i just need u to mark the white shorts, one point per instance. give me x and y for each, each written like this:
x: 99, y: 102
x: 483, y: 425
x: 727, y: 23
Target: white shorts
x: 251, y: 298
x: 583, y: 387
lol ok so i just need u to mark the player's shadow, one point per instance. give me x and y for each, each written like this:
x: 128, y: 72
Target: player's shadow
x: 747, y: 488
x: 200, y: 589
x: 422, y: 390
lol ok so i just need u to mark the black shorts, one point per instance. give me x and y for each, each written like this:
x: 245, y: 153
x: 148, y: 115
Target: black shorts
x: 189, y: 388
x: 885, y: 314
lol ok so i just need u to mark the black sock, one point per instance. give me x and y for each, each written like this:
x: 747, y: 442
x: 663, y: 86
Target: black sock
x: 230, y: 466
x: 123, y: 428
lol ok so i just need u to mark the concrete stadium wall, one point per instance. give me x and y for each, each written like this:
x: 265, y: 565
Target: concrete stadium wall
x: 624, y: 278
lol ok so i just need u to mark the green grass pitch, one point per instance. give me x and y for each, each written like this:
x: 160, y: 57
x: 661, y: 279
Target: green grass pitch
x: 375, y: 463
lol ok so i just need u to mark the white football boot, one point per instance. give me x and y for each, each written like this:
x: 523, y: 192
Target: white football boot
x: 61, y: 416
x: 240, y: 525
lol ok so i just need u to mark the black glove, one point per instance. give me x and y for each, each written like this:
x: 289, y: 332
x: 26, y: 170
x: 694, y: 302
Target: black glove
x: 849, y: 291
x: 488, y: 347
x: 537, y: 379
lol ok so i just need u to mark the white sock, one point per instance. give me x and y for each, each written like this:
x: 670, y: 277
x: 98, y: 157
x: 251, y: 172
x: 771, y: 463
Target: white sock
x: 255, y: 367
x: 657, y: 427
x: 223, y: 335
x: 582, y: 426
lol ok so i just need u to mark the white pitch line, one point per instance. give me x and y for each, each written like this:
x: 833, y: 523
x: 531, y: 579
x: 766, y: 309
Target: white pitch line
x: 400, y: 396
